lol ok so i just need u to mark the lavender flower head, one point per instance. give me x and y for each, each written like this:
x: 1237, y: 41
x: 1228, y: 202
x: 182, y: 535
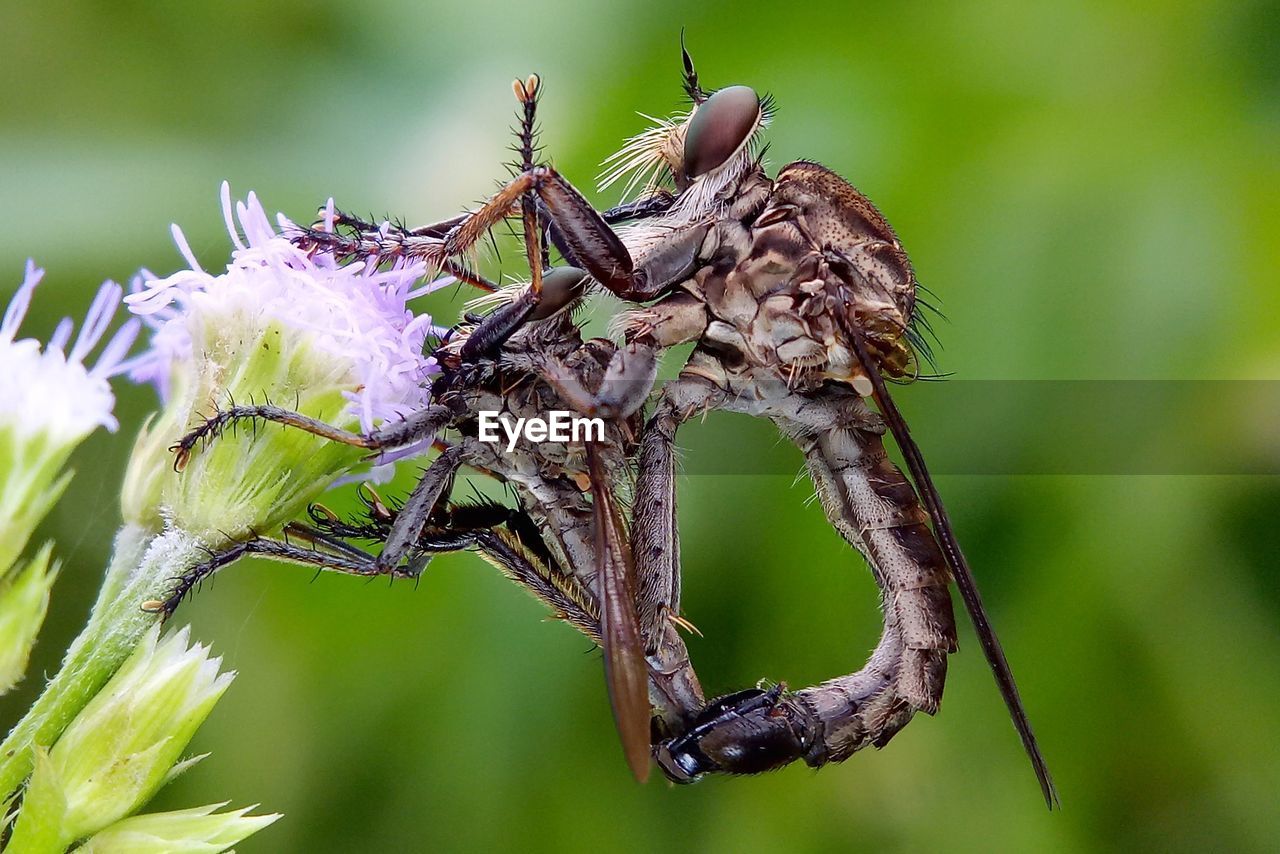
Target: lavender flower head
x: 50, y: 400
x: 336, y: 341
x: 48, y: 390
x: 355, y: 312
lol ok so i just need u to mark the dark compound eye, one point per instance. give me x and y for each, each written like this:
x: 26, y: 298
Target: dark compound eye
x: 719, y: 128
x: 560, y: 286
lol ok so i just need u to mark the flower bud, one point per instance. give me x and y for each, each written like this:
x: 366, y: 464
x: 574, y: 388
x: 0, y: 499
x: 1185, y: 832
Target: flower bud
x: 24, y: 598
x: 123, y: 745
x: 199, y: 830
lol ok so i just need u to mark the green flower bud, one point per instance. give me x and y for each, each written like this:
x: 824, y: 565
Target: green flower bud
x: 195, y: 831
x: 24, y: 598
x: 123, y: 745
x: 264, y: 475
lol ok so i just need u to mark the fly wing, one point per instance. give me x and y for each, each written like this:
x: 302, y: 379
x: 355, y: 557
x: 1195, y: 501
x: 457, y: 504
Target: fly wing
x: 625, y: 670
x: 959, y: 567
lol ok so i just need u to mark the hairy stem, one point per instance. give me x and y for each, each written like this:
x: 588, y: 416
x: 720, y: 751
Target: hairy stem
x: 140, y: 569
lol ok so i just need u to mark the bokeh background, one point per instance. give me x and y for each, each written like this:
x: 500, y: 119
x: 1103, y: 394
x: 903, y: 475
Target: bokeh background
x: 1093, y: 191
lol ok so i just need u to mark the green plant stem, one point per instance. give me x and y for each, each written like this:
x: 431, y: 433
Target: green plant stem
x: 115, y: 625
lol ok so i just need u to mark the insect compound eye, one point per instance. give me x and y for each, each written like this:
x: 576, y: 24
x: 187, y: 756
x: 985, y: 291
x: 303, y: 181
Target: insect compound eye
x: 720, y: 126
x: 560, y: 287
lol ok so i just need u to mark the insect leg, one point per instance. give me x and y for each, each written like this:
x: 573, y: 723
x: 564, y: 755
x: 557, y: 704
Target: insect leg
x: 582, y: 235
x: 519, y: 552
x: 346, y: 560
x: 327, y: 551
x: 406, y: 529
x: 415, y: 427
x: 655, y: 205
x: 377, y: 243
x: 643, y: 208
x: 598, y: 250
x: 655, y: 541
x: 655, y: 545
x: 435, y: 229
x: 494, y: 330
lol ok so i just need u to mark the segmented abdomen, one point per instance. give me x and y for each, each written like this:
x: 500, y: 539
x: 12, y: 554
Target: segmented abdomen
x: 873, y: 506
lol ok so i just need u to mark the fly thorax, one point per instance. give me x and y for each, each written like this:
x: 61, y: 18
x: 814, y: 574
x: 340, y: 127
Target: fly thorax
x: 778, y: 326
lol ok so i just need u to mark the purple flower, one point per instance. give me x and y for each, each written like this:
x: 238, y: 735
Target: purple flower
x: 354, y: 312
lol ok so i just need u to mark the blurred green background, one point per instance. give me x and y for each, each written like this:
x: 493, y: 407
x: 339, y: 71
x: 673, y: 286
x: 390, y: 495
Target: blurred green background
x: 1093, y: 191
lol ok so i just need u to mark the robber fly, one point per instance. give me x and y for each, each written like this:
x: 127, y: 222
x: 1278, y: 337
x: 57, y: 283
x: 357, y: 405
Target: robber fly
x: 799, y: 300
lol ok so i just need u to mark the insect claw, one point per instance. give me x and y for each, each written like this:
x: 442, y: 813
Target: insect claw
x: 321, y: 513
x: 377, y: 507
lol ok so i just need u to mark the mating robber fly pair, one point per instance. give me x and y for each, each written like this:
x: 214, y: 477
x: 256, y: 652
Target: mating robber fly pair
x: 799, y: 301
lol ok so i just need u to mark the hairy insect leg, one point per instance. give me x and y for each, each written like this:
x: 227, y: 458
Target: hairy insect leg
x: 597, y: 248
x: 655, y: 545
x: 656, y: 204
x: 368, y: 241
x: 436, y: 229
x: 581, y: 234
x: 507, y: 538
x: 406, y: 530
x: 416, y: 427
x: 527, y: 92
x: 327, y: 549
x: 518, y: 551
x: 346, y: 559
x: 498, y: 326
x: 655, y: 540
x: 587, y: 241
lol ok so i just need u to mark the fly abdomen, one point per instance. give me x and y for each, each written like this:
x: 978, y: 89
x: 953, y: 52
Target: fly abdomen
x: 873, y: 506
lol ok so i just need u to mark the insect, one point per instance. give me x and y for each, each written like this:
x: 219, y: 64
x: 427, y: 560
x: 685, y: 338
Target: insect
x: 799, y: 300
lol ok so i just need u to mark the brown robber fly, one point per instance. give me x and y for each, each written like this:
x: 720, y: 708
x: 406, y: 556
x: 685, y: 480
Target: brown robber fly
x: 800, y: 301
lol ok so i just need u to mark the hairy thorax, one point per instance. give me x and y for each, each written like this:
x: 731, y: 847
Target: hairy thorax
x: 787, y: 282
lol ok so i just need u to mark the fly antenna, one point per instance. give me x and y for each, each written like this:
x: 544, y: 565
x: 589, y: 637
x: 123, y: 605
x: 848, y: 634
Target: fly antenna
x: 691, y: 86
